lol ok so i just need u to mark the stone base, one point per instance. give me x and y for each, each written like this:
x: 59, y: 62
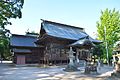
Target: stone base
x: 71, y: 68
x: 116, y: 74
x: 90, y: 69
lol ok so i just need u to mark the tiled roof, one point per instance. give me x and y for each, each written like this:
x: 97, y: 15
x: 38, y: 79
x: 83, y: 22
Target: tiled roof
x: 65, y: 31
x: 22, y: 40
x: 83, y: 42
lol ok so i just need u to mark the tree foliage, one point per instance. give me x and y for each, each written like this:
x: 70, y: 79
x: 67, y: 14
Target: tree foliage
x: 117, y: 46
x: 8, y: 9
x: 108, y: 28
x: 4, y: 43
x: 98, y: 50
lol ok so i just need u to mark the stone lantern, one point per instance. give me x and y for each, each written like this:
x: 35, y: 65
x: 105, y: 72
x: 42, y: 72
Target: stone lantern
x: 71, y: 66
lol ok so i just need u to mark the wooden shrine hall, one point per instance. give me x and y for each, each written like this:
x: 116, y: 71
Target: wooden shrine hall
x: 52, y: 44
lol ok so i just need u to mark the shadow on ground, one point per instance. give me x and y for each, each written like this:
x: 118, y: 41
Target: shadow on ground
x: 10, y: 72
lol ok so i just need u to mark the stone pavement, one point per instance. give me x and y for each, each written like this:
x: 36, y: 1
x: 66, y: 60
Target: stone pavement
x: 10, y: 72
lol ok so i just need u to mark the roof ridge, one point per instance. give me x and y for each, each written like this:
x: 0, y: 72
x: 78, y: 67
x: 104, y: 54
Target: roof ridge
x: 62, y: 24
x: 23, y: 35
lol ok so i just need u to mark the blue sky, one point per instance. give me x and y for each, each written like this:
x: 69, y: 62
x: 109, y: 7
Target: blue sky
x: 81, y: 13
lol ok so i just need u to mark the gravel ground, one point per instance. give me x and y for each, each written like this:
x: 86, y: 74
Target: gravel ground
x: 10, y: 72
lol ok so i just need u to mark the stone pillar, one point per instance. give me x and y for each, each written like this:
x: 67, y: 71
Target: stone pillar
x: 99, y: 64
x: 77, y: 59
x: 71, y: 57
x: 71, y: 66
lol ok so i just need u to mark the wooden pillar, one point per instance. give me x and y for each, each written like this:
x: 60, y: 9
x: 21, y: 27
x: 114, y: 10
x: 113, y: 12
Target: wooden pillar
x: 60, y: 56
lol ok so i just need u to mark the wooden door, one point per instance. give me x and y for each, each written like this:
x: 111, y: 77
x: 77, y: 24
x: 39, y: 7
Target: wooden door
x: 20, y: 59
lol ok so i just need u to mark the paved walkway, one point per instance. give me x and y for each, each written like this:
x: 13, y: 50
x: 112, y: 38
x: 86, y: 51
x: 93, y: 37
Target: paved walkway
x: 10, y: 72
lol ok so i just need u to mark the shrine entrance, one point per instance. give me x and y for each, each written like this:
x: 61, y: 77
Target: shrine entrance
x: 83, y: 48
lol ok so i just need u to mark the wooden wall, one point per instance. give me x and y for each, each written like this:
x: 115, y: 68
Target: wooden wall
x: 53, y: 54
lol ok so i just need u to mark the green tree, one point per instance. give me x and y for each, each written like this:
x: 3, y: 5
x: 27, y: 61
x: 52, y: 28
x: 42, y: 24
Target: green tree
x: 98, y: 50
x: 108, y: 29
x: 8, y: 9
x: 4, y: 44
x: 117, y: 46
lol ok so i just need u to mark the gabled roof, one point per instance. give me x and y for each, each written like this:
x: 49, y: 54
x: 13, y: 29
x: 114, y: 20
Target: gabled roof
x: 62, y: 30
x: 65, y: 31
x: 94, y: 40
x: 22, y: 40
x: 83, y: 42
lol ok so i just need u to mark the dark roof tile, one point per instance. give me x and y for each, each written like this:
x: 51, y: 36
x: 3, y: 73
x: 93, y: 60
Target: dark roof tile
x: 63, y: 31
x: 22, y: 40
